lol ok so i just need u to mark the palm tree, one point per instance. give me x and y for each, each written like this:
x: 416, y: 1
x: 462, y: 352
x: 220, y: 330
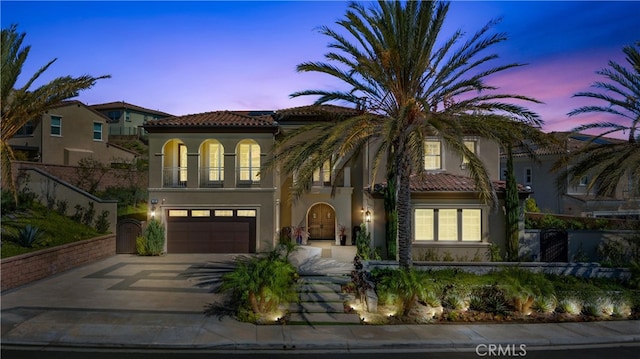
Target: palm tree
x: 606, y: 163
x: 21, y: 105
x: 410, y: 83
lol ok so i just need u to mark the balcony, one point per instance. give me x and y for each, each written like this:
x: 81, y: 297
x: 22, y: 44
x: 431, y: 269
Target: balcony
x: 174, y: 177
x: 211, y: 177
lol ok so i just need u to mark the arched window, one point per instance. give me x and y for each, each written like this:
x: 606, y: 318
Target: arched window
x: 174, y: 171
x: 212, y: 165
x: 248, y: 152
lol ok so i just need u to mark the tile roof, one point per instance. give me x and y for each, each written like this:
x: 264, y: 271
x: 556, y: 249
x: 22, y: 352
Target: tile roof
x: 315, y: 111
x: 565, y: 142
x: 214, y: 119
x: 446, y: 182
x: 127, y: 106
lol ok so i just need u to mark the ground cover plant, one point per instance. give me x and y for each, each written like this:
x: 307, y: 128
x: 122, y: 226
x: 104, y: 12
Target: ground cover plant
x: 506, y: 295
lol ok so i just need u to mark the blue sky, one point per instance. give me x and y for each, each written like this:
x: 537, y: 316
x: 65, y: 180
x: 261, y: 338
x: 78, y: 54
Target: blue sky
x: 191, y: 57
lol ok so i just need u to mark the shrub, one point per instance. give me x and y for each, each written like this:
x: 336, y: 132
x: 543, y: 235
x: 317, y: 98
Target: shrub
x: 363, y: 244
x: 141, y: 245
x: 153, y: 243
x: 530, y: 205
x: 27, y: 236
x: 102, y: 223
x: 61, y: 207
x: 619, y: 252
x: 89, y: 213
x: 523, y: 287
x: 490, y: 299
x: 405, y: 287
x: 258, y: 285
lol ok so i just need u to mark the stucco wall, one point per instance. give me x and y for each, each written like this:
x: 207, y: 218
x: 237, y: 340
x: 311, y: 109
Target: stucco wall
x: 46, y: 186
x: 29, y: 267
x: 581, y: 243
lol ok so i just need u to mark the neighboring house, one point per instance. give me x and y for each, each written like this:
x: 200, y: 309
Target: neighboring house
x: 570, y: 197
x: 67, y: 133
x: 127, y: 119
x: 206, y: 185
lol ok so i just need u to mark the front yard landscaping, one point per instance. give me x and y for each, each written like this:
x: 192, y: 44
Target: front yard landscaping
x: 34, y: 227
x: 506, y: 295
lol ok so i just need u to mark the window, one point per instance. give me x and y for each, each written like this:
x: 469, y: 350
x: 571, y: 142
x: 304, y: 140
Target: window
x: 200, y: 213
x: 424, y: 224
x: 584, y: 180
x: 527, y: 176
x: 246, y: 213
x: 97, y: 131
x: 323, y: 174
x: 215, y: 168
x: 432, y: 155
x: 127, y: 116
x: 223, y: 213
x: 26, y: 130
x: 114, y: 116
x: 56, y: 126
x: 471, y: 225
x: 182, y: 162
x: 471, y: 146
x: 249, y: 161
x: 178, y: 213
x: 448, y: 224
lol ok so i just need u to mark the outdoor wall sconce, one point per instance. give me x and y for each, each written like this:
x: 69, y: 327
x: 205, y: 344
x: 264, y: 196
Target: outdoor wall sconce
x: 367, y: 216
x: 154, y: 202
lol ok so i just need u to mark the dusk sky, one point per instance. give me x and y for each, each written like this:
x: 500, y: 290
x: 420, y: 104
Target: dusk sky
x: 191, y: 57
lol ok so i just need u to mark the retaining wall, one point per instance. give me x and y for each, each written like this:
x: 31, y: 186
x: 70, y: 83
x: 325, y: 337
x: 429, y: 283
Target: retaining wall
x: 585, y: 270
x: 29, y: 267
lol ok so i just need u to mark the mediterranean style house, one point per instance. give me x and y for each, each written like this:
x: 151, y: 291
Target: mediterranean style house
x: 207, y: 185
x: 571, y: 197
x: 67, y: 133
x: 126, y: 119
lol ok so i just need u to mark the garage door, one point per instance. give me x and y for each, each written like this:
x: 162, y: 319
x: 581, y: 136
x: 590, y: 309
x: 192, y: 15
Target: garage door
x: 211, y: 231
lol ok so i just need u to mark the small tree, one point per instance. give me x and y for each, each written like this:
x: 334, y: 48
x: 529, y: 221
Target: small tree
x: 152, y: 242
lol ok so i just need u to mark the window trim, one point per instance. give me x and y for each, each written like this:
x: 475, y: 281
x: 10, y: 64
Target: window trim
x: 252, y: 168
x: 439, y: 156
x: 100, y: 132
x: 528, y: 176
x: 436, y: 228
x: 52, y: 126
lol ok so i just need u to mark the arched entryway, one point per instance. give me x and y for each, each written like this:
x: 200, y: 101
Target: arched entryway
x: 321, y: 221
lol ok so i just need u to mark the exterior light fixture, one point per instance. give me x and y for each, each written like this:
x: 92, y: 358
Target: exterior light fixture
x: 367, y: 216
x: 154, y: 202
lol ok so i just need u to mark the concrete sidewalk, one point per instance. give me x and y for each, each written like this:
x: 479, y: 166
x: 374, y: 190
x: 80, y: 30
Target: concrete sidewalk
x: 147, y: 303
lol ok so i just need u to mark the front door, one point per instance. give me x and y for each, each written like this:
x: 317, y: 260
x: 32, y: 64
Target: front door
x: 322, y: 222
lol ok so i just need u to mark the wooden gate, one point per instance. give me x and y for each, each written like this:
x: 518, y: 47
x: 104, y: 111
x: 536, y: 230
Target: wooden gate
x: 126, y: 233
x: 554, y: 245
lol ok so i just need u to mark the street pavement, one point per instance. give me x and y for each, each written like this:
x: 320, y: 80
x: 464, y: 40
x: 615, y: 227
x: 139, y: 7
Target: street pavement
x: 127, y: 302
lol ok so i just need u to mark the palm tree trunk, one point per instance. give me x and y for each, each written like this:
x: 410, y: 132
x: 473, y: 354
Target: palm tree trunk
x: 512, y: 210
x: 403, y: 196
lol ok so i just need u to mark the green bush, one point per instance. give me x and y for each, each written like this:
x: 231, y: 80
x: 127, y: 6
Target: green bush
x: 102, y: 223
x: 152, y: 242
x: 258, y: 285
x: 363, y: 244
x: 523, y: 287
x: 404, y: 287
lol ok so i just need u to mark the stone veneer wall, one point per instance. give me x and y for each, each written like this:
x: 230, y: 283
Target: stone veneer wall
x: 26, y: 268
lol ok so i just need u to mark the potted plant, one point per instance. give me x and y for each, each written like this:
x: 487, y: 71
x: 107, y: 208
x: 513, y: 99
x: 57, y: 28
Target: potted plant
x: 300, y: 235
x: 343, y: 235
